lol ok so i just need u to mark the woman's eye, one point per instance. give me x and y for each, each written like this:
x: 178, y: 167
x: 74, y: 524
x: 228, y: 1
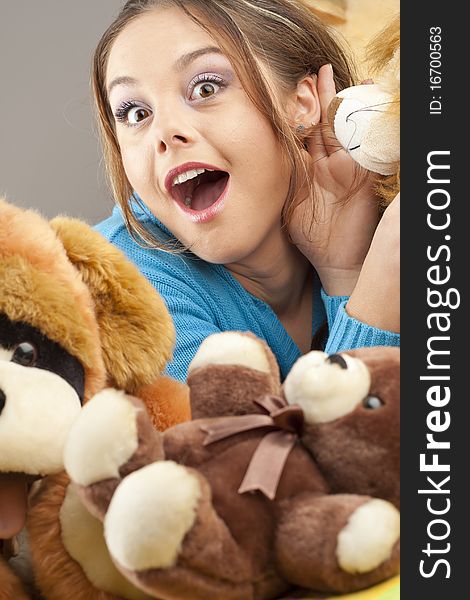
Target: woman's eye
x: 25, y: 354
x: 136, y: 115
x: 204, y: 90
x: 205, y: 86
x: 131, y: 114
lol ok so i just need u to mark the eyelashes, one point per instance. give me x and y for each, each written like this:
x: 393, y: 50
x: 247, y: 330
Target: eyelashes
x: 123, y: 112
x: 204, y: 86
x: 206, y: 80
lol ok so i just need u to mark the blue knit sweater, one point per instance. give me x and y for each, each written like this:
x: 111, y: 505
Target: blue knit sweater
x: 204, y: 298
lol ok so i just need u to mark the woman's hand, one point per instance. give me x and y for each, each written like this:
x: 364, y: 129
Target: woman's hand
x: 376, y: 297
x: 334, y: 234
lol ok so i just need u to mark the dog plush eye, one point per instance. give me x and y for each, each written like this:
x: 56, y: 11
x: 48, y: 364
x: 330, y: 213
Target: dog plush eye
x: 372, y: 402
x: 25, y: 354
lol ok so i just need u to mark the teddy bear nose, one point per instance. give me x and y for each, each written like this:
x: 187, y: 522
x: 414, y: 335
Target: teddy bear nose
x: 3, y: 400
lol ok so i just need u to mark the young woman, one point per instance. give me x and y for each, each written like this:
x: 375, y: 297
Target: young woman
x: 234, y: 200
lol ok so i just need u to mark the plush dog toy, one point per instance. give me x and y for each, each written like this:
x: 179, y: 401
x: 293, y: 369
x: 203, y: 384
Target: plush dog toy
x: 75, y: 317
x: 298, y: 487
x: 366, y: 118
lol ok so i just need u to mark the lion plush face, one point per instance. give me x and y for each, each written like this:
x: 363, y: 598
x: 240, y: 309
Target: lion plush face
x: 367, y: 129
x: 366, y: 118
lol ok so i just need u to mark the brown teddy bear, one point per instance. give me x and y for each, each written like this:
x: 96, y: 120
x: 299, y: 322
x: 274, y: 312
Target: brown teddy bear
x: 298, y: 487
x: 75, y: 317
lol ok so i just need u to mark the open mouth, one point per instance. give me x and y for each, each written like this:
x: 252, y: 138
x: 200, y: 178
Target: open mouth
x: 198, y: 189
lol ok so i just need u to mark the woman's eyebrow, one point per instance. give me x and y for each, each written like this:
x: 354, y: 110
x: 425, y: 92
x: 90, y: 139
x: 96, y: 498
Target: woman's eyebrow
x: 185, y: 60
x: 182, y: 63
x: 121, y: 81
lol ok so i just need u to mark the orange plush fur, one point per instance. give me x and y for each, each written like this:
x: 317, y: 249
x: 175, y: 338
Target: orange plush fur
x: 383, y: 56
x: 10, y: 586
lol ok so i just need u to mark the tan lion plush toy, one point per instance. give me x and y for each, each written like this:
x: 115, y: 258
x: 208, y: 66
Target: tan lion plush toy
x: 266, y: 490
x: 366, y: 118
x: 75, y: 317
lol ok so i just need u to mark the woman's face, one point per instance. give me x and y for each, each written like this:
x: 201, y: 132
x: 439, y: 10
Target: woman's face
x: 181, y: 112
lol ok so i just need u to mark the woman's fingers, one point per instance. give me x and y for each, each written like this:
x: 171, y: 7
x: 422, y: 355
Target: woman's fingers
x: 326, y: 90
x: 323, y: 142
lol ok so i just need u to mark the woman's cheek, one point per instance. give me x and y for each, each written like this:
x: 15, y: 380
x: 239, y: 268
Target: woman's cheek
x: 137, y: 169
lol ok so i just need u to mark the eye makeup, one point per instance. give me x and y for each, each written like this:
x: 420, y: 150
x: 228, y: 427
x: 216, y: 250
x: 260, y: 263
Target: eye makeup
x: 122, y: 111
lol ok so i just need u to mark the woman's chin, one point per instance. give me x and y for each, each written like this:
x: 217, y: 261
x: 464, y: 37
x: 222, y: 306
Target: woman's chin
x: 218, y: 257
x: 220, y: 254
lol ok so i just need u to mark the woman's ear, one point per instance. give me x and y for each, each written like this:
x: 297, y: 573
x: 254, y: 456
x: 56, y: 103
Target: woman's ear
x: 304, y: 106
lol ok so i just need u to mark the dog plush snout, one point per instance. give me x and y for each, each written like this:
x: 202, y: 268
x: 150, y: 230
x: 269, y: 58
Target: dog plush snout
x: 3, y: 400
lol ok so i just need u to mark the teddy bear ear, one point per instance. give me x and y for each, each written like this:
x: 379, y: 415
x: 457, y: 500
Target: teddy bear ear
x: 230, y: 370
x: 136, y: 330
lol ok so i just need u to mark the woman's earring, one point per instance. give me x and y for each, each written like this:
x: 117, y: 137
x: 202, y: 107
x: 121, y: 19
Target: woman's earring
x: 301, y: 128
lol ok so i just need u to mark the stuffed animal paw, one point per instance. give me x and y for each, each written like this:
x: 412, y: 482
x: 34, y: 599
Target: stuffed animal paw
x: 298, y: 487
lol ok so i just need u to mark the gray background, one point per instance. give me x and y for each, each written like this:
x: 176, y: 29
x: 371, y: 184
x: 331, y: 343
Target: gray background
x: 50, y: 157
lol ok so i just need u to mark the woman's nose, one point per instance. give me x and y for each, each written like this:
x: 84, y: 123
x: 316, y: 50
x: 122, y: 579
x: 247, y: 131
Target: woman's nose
x: 165, y: 142
x: 171, y: 130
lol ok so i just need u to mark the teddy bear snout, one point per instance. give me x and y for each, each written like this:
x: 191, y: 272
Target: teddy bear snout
x: 3, y: 400
x: 326, y: 387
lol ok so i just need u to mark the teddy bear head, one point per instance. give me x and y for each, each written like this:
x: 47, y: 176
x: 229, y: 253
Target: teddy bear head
x: 75, y: 316
x: 351, y: 407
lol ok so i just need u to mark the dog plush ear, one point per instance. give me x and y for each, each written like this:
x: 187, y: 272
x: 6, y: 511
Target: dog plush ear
x: 39, y: 286
x: 130, y: 314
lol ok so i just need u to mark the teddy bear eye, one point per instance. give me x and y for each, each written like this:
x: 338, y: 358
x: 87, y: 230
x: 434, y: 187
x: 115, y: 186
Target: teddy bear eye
x: 25, y: 354
x: 337, y: 359
x: 372, y: 402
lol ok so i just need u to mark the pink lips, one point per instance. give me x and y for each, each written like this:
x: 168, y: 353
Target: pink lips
x: 197, y: 216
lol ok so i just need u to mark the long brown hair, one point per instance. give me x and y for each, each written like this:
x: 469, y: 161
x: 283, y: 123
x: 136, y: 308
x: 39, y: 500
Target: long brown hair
x: 283, y: 36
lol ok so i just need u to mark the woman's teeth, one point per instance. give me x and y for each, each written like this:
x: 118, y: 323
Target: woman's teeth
x: 182, y: 177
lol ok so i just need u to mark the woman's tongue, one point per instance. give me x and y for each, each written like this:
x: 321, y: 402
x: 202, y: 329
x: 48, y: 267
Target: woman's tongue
x: 206, y: 194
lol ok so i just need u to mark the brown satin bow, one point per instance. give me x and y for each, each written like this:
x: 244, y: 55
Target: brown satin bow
x: 267, y: 463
